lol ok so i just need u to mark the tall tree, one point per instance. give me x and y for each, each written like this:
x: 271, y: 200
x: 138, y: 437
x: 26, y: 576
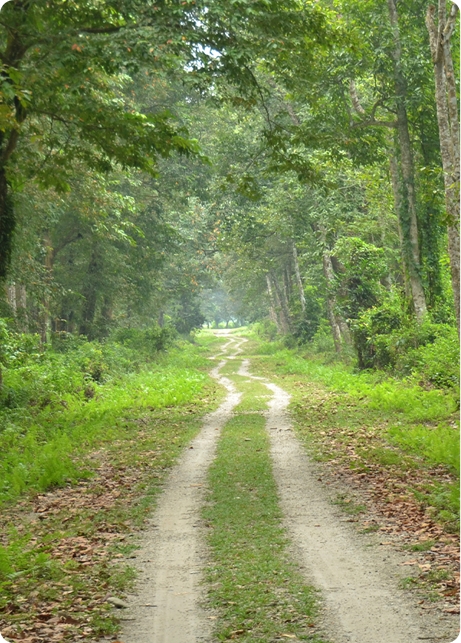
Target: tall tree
x: 448, y: 120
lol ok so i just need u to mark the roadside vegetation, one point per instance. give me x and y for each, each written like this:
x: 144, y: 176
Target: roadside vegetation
x: 90, y: 431
x: 414, y: 421
x: 390, y: 446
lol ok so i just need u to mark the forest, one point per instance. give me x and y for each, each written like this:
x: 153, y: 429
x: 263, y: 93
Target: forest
x: 174, y: 169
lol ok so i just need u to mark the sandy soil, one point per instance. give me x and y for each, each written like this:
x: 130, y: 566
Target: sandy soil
x: 358, y: 583
x: 166, y: 607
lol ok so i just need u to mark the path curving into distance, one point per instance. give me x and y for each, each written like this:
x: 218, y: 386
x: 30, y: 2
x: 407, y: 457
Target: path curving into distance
x: 361, y: 601
x: 166, y: 606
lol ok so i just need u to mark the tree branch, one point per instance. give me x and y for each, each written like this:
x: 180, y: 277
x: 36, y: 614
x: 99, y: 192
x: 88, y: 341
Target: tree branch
x: 451, y: 22
x: 432, y: 29
x: 355, y: 99
x: 360, y: 110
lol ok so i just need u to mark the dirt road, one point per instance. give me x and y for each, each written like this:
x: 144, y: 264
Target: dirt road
x: 358, y: 585
x: 166, y: 607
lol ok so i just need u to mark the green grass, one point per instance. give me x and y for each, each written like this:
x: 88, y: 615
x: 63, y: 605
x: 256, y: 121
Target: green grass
x: 438, y: 445
x: 377, y: 389
x: 390, y: 424
x: 257, y: 590
x: 348, y: 505
x: 424, y: 545
x: 41, y: 447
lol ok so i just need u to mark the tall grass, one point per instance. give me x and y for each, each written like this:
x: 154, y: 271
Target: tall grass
x: 377, y: 389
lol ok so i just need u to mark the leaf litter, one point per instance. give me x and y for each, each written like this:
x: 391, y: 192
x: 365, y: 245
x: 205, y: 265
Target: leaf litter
x: 388, y: 493
x: 82, y: 535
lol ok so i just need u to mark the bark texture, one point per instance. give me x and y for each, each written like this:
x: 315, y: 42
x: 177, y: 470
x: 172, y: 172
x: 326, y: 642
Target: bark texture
x: 272, y: 308
x: 407, y: 210
x: 448, y: 123
x: 331, y: 302
x: 299, y: 281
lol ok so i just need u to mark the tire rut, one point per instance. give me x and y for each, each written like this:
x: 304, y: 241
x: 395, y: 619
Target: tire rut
x: 166, y: 607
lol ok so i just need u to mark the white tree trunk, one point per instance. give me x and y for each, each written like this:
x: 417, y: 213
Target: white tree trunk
x: 299, y: 281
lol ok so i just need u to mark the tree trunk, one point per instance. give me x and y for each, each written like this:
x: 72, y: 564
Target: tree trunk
x: 394, y: 173
x: 447, y: 118
x: 407, y: 201
x: 91, y: 295
x: 299, y: 281
x: 21, y: 307
x: 272, y: 310
x: 282, y: 306
x: 331, y: 302
x: 45, y: 322
x: 11, y: 296
x: 7, y: 225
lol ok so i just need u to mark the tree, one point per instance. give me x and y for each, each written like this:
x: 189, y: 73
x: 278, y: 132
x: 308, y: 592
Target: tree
x: 448, y: 122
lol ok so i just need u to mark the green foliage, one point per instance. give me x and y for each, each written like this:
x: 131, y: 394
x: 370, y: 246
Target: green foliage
x: 358, y: 281
x: 19, y: 558
x: 322, y: 341
x: 427, y: 352
x: 307, y: 324
x: 149, y: 341
x: 439, y: 445
x: 56, y: 402
x: 265, y: 329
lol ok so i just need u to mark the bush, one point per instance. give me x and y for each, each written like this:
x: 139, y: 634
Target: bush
x: 385, y: 338
x: 322, y: 341
x: 435, y: 363
x: 265, y: 329
x: 372, y: 333
x: 149, y: 341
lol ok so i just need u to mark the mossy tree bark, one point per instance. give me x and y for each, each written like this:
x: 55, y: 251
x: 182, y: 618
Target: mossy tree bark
x: 448, y: 122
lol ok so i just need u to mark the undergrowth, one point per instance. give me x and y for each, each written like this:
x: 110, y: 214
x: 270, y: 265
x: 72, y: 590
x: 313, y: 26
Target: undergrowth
x: 60, y: 404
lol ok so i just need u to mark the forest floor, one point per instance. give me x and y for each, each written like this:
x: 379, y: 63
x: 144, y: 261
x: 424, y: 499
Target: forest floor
x: 263, y: 531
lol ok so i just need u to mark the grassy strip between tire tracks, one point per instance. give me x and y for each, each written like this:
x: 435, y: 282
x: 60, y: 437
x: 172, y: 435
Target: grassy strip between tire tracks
x: 257, y: 590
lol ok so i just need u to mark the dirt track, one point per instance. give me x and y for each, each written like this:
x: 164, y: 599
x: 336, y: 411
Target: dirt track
x: 359, y: 587
x: 166, y: 607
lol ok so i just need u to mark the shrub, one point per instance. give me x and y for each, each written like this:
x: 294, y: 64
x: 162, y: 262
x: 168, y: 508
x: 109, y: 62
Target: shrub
x: 322, y: 341
x: 149, y: 341
x: 265, y: 329
x: 385, y: 338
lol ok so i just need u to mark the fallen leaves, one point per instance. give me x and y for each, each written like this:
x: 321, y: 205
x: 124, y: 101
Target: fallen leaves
x: 79, y: 533
x: 390, y: 489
